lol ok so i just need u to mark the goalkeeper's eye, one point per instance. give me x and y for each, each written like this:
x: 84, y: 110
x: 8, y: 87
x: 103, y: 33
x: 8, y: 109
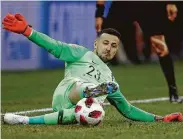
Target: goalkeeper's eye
x: 114, y: 45
x: 106, y: 42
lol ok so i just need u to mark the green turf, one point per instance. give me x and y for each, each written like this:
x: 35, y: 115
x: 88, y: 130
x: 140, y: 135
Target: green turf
x: 34, y: 89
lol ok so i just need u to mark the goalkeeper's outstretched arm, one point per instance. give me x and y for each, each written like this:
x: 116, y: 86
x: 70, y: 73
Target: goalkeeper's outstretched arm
x: 61, y: 50
x: 131, y: 112
x: 67, y: 52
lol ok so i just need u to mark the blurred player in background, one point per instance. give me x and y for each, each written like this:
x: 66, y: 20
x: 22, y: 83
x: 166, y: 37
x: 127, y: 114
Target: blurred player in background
x: 86, y: 75
x: 154, y: 19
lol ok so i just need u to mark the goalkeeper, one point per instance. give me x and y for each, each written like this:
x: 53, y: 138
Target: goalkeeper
x: 86, y: 75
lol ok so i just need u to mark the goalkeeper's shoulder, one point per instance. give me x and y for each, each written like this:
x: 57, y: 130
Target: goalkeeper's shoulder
x: 78, y: 47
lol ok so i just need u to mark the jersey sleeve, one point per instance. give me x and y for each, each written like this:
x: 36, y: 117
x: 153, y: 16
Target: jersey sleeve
x: 127, y: 110
x: 61, y: 50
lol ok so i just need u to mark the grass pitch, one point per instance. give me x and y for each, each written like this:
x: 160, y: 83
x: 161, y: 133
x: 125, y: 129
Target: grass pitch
x: 33, y: 90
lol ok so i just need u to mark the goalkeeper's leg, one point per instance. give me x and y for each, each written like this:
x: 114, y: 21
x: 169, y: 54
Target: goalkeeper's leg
x: 64, y: 111
x: 64, y: 100
x: 63, y: 107
x: 83, y: 90
x: 65, y: 116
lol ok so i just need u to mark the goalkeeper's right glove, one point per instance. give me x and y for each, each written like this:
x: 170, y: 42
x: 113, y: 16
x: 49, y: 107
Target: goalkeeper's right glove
x: 17, y: 24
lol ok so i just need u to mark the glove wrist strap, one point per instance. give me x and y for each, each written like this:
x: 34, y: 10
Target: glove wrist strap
x: 27, y: 30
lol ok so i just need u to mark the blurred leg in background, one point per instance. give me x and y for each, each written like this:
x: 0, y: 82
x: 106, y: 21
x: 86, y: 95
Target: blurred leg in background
x: 156, y: 23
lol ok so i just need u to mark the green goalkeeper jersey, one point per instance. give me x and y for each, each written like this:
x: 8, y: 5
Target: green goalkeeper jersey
x: 85, y: 65
x: 80, y: 62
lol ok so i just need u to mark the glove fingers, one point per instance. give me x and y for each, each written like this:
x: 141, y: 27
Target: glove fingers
x: 7, y: 28
x: 10, y: 17
x: 180, y: 117
x: 11, y: 29
x: 8, y: 20
x: 7, y: 23
x: 19, y: 17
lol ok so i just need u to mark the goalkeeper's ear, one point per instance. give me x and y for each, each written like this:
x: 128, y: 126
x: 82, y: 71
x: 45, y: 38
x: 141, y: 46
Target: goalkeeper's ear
x: 95, y: 44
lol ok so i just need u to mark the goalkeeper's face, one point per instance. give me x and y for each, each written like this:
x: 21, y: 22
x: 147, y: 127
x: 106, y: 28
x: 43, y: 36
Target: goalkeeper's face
x: 106, y: 46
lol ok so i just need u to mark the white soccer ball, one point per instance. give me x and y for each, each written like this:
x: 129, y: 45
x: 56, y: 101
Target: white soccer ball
x: 89, y: 111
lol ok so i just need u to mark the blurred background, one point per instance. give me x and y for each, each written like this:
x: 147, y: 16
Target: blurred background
x: 26, y: 85
x: 71, y: 22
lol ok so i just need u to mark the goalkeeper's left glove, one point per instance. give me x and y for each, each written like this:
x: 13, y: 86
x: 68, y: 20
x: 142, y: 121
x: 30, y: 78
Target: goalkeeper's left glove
x: 173, y: 117
x: 17, y: 24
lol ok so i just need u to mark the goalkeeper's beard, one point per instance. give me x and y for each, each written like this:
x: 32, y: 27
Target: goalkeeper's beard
x: 104, y: 59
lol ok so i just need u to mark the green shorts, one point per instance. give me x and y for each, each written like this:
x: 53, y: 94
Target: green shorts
x: 61, y: 95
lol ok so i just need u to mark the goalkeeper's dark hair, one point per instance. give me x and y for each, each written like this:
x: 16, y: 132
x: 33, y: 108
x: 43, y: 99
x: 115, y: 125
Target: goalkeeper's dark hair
x: 110, y: 31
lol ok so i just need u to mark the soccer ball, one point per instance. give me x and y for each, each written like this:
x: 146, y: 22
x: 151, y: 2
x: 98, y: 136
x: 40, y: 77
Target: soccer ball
x: 89, y: 111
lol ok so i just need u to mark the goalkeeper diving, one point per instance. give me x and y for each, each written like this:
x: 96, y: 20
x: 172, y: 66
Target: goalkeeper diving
x: 86, y: 75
